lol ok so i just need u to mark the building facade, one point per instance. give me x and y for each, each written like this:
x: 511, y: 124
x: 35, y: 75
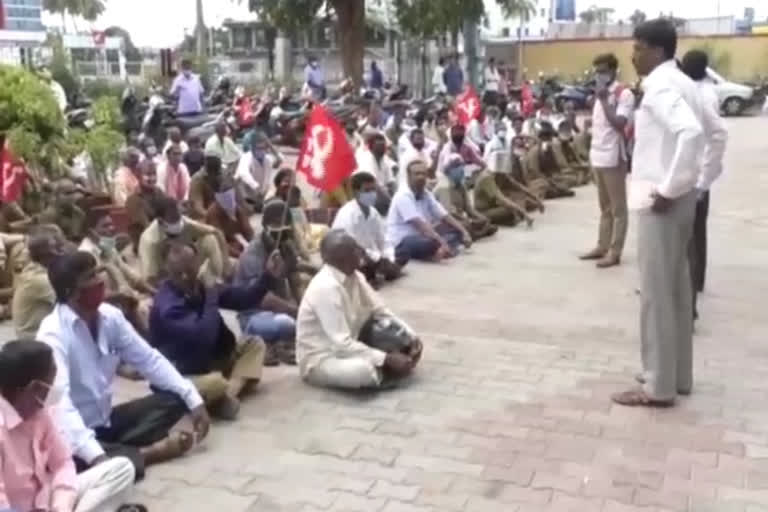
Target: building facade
x: 21, y: 31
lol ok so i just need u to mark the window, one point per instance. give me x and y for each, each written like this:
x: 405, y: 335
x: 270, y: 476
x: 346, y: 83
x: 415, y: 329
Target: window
x: 543, y: 12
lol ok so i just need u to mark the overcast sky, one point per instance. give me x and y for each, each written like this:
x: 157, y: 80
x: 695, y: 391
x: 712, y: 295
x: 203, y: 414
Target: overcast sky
x: 162, y: 23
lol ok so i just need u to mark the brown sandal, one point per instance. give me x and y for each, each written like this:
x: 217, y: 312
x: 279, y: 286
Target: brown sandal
x: 638, y: 398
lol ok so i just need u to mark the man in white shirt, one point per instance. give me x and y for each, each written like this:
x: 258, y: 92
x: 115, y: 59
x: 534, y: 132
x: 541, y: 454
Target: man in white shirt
x: 419, y: 147
x: 438, y: 82
x: 608, y: 155
x: 255, y: 171
x: 492, y: 78
x: 90, y: 339
x: 669, y: 140
x: 373, y: 159
x: 221, y: 144
x: 695, y: 64
x: 337, y: 304
x: 418, y: 226
x: 362, y: 222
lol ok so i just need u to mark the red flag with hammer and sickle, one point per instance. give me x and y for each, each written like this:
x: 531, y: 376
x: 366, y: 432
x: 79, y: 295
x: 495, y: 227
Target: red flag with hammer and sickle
x: 467, y: 106
x: 326, y: 158
x: 13, y: 175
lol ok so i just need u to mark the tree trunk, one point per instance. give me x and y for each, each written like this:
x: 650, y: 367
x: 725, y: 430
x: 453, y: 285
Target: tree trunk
x: 351, y: 21
x: 199, y: 29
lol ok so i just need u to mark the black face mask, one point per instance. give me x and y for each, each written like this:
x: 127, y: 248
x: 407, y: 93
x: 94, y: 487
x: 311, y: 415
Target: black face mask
x: 457, y: 140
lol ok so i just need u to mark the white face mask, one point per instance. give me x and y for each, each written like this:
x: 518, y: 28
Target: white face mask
x: 54, y: 396
x: 174, y: 229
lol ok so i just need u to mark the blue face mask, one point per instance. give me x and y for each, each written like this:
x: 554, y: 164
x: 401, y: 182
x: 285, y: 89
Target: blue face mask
x: 259, y: 155
x: 367, y: 198
x: 456, y: 175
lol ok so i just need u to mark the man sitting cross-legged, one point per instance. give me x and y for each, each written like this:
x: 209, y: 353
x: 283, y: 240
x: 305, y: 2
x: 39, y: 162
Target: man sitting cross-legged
x: 338, y: 303
x: 187, y: 327
x: 362, y: 222
x: 90, y: 339
x: 417, y: 224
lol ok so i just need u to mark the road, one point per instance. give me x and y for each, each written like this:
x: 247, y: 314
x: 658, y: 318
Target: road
x: 510, y: 410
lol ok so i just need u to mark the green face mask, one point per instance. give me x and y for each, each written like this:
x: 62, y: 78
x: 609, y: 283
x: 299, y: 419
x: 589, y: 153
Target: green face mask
x: 107, y: 243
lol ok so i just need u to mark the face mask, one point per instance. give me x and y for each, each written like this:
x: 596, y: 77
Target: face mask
x: 367, y: 198
x: 175, y: 228
x: 52, y: 398
x: 91, y: 297
x: 456, y: 175
x: 603, y: 79
x: 107, y: 243
x: 457, y: 140
x: 227, y: 200
x: 151, y: 152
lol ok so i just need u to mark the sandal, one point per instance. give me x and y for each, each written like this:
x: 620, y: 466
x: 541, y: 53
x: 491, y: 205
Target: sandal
x: 172, y: 447
x: 638, y: 398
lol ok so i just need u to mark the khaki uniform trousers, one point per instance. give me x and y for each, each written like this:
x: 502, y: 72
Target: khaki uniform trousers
x: 246, y: 362
x: 614, y: 216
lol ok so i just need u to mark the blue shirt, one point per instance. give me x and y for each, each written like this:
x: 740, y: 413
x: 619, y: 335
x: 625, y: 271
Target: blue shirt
x: 190, y: 331
x: 190, y: 91
x: 314, y: 76
x: 454, y: 80
x: 405, y: 208
x: 87, y: 369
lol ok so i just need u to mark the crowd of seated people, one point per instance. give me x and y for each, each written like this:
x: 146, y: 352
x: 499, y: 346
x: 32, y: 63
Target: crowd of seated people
x: 132, y: 282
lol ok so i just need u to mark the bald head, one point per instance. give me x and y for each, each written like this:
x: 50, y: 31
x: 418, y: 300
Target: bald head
x: 340, y: 251
x: 182, y: 266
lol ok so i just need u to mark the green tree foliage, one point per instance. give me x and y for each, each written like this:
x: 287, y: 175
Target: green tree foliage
x: 637, y: 17
x: 89, y: 10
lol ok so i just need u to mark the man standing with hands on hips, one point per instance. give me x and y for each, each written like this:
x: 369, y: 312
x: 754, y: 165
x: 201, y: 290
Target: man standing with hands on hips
x: 609, y: 158
x: 669, y: 140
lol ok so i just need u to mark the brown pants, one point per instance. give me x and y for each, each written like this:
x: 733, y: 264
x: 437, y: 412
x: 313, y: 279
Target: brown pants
x: 246, y: 362
x: 502, y: 215
x: 614, y: 217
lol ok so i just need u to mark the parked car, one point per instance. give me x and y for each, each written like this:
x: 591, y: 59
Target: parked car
x: 734, y: 98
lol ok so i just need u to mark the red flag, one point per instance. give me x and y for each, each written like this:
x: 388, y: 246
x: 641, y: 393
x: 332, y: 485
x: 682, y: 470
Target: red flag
x: 467, y: 106
x: 326, y: 158
x: 13, y: 175
x: 526, y: 97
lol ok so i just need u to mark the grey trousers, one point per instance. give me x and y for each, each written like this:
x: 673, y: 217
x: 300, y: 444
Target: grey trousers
x: 614, y: 217
x: 666, y: 325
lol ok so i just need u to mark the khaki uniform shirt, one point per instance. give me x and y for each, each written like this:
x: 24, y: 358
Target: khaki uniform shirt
x: 33, y: 300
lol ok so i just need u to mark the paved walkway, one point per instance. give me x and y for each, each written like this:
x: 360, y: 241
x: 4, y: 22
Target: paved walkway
x: 510, y: 410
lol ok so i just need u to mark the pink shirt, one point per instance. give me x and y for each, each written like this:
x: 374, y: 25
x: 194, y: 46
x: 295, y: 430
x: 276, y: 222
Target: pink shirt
x: 125, y: 184
x: 36, y: 467
x: 174, y: 181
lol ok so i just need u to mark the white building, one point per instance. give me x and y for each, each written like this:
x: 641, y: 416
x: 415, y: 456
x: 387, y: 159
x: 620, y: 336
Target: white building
x: 535, y: 27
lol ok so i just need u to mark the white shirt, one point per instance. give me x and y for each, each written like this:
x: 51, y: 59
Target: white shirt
x: 412, y: 154
x: 255, y: 175
x: 715, y: 133
x: 60, y: 94
x: 87, y: 369
x: 669, y: 137
x: 383, y: 169
x: 406, y: 208
x: 492, y: 79
x: 607, y: 142
x: 438, y: 82
x: 480, y: 133
x: 496, y: 155
x: 368, y: 231
x: 334, y: 309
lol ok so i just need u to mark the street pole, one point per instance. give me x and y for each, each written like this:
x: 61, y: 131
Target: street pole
x: 470, y: 48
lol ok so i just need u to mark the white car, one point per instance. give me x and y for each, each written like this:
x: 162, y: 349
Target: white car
x: 734, y: 98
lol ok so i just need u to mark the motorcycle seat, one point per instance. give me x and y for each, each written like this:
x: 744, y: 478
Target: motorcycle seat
x: 189, y: 122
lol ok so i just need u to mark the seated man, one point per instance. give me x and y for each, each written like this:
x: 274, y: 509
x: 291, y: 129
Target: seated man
x: 175, y: 138
x: 203, y: 187
x: 567, y: 151
x: 274, y: 318
x: 254, y: 171
x: 13, y: 219
x: 33, y: 298
x: 362, y: 222
x: 172, y: 175
x: 125, y: 288
x: 307, y: 235
x: 418, y: 227
x: 502, y: 199
x: 11, y: 262
x: 194, y: 157
x: 141, y: 206
x: 37, y: 471
x: 543, y: 162
x: 453, y: 195
x: 220, y: 144
x: 126, y: 179
x: 64, y: 212
x: 230, y: 217
x: 374, y: 160
x: 89, y: 340
x: 418, y: 147
x: 171, y: 224
x: 338, y: 303
x: 459, y: 145
x: 187, y: 328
